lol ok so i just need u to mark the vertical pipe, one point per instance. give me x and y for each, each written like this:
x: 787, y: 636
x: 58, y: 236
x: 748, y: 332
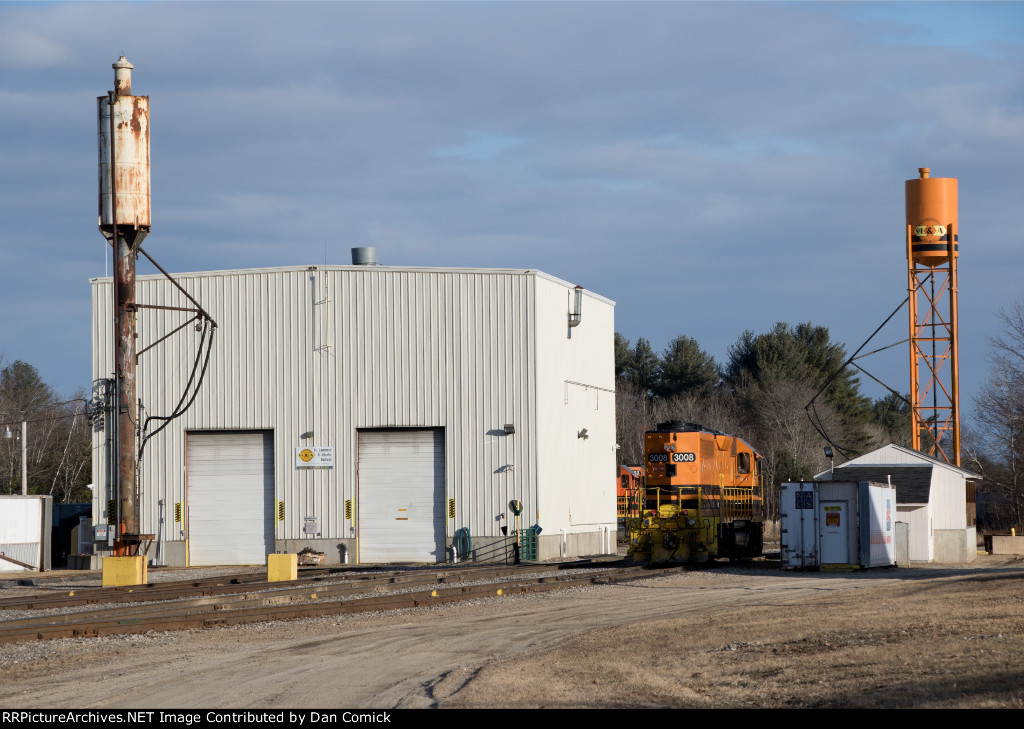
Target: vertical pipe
x: 116, y: 471
x: 24, y: 458
x: 161, y: 526
x: 124, y: 353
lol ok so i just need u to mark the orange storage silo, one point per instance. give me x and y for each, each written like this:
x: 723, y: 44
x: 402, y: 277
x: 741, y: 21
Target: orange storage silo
x: 932, y: 217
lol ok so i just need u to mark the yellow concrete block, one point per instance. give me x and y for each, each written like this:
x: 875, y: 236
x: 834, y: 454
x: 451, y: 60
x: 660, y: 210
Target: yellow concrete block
x: 119, y: 571
x: 282, y: 567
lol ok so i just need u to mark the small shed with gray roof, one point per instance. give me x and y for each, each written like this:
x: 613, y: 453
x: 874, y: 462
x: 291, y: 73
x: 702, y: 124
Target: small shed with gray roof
x: 936, y: 499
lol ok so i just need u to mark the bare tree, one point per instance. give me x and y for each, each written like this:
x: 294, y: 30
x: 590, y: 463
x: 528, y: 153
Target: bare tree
x: 716, y: 410
x: 999, y: 419
x: 634, y: 416
x: 58, y: 442
x: 790, y: 446
x: 76, y: 453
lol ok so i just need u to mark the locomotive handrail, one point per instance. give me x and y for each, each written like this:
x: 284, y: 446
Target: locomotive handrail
x: 739, y: 503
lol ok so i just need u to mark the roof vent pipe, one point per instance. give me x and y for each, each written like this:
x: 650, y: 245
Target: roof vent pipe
x: 364, y: 256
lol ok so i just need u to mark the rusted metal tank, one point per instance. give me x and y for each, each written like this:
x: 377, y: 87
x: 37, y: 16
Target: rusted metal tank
x: 932, y: 217
x: 123, y: 153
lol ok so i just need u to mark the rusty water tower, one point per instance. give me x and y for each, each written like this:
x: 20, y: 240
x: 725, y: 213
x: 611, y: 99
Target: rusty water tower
x: 932, y: 253
x: 123, y: 130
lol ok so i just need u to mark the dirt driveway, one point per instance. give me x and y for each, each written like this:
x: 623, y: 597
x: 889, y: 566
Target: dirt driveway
x: 722, y: 637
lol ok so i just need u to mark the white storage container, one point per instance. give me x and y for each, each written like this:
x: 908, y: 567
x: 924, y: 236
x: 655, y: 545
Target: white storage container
x: 837, y: 523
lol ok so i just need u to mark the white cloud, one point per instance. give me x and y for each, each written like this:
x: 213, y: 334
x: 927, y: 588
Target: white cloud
x: 25, y: 49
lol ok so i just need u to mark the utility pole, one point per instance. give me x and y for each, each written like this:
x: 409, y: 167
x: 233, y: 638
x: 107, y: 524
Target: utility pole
x: 24, y: 453
x: 24, y: 458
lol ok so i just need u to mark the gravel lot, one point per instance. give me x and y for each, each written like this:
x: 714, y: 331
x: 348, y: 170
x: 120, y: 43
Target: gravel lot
x: 593, y: 646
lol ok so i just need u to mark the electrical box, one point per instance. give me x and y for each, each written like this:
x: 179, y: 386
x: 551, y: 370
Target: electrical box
x: 100, y: 533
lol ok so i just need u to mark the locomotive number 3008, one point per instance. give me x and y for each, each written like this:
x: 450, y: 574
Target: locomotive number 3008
x: 676, y: 457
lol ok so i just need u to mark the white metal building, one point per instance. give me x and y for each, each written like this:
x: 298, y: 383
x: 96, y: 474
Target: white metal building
x: 936, y: 500
x: 371, y: 413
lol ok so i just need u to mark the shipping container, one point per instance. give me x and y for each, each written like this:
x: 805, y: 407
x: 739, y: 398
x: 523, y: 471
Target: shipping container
x: 837, y: 523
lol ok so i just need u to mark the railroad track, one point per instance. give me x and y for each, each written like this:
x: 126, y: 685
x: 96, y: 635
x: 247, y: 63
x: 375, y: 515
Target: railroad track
x: 247, y: 582
x: 234, y: 601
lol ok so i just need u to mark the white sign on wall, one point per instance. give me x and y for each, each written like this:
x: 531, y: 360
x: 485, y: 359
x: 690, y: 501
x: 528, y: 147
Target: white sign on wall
x: 314, y: 457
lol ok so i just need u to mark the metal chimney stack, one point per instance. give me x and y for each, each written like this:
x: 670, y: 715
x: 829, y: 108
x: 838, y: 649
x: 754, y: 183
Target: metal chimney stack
x: 124, y: 220
x: 364, y: 256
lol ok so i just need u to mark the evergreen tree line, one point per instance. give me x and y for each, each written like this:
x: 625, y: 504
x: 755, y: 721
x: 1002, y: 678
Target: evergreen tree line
x: 759, y: 393
x: 59, y: 448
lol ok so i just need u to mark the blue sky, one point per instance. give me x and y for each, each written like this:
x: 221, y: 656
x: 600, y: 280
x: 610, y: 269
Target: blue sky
x: 711, y: 167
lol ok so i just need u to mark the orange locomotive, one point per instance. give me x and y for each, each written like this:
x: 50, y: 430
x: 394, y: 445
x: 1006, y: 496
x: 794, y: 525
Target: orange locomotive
x: 703, y: 497
x: 630, y: 495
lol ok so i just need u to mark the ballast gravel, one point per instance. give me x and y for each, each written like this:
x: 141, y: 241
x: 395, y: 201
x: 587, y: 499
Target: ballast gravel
x: 20, y: 654
x: 15, y: 654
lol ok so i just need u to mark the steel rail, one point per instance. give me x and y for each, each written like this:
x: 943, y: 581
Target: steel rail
x: 233, y: 584
x: 278, y: 605
x: 276, y: 593
x: 176, y: 591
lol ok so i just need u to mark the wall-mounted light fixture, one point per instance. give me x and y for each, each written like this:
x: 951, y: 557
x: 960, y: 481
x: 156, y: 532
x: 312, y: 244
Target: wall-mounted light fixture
x: 307, y: 434
x: 583, y: 434
x: 510, y: 428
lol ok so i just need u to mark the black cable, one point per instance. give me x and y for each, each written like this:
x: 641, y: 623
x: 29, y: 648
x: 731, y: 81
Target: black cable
x: 854, y: 355
x: 882, y: 349
x: 181, y: 409
x: 188, y: 383
x: 894, y: 392
x: 809, y: 407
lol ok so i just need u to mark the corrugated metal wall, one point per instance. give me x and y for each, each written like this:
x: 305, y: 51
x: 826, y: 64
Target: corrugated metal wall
x: 330, y: 350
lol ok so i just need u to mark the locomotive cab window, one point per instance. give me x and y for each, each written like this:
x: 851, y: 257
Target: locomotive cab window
x: 743, y: 463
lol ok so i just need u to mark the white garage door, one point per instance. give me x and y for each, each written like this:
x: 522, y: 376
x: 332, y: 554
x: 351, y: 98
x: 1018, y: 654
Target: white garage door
x: 401, y: 496
x: 230, y: 497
